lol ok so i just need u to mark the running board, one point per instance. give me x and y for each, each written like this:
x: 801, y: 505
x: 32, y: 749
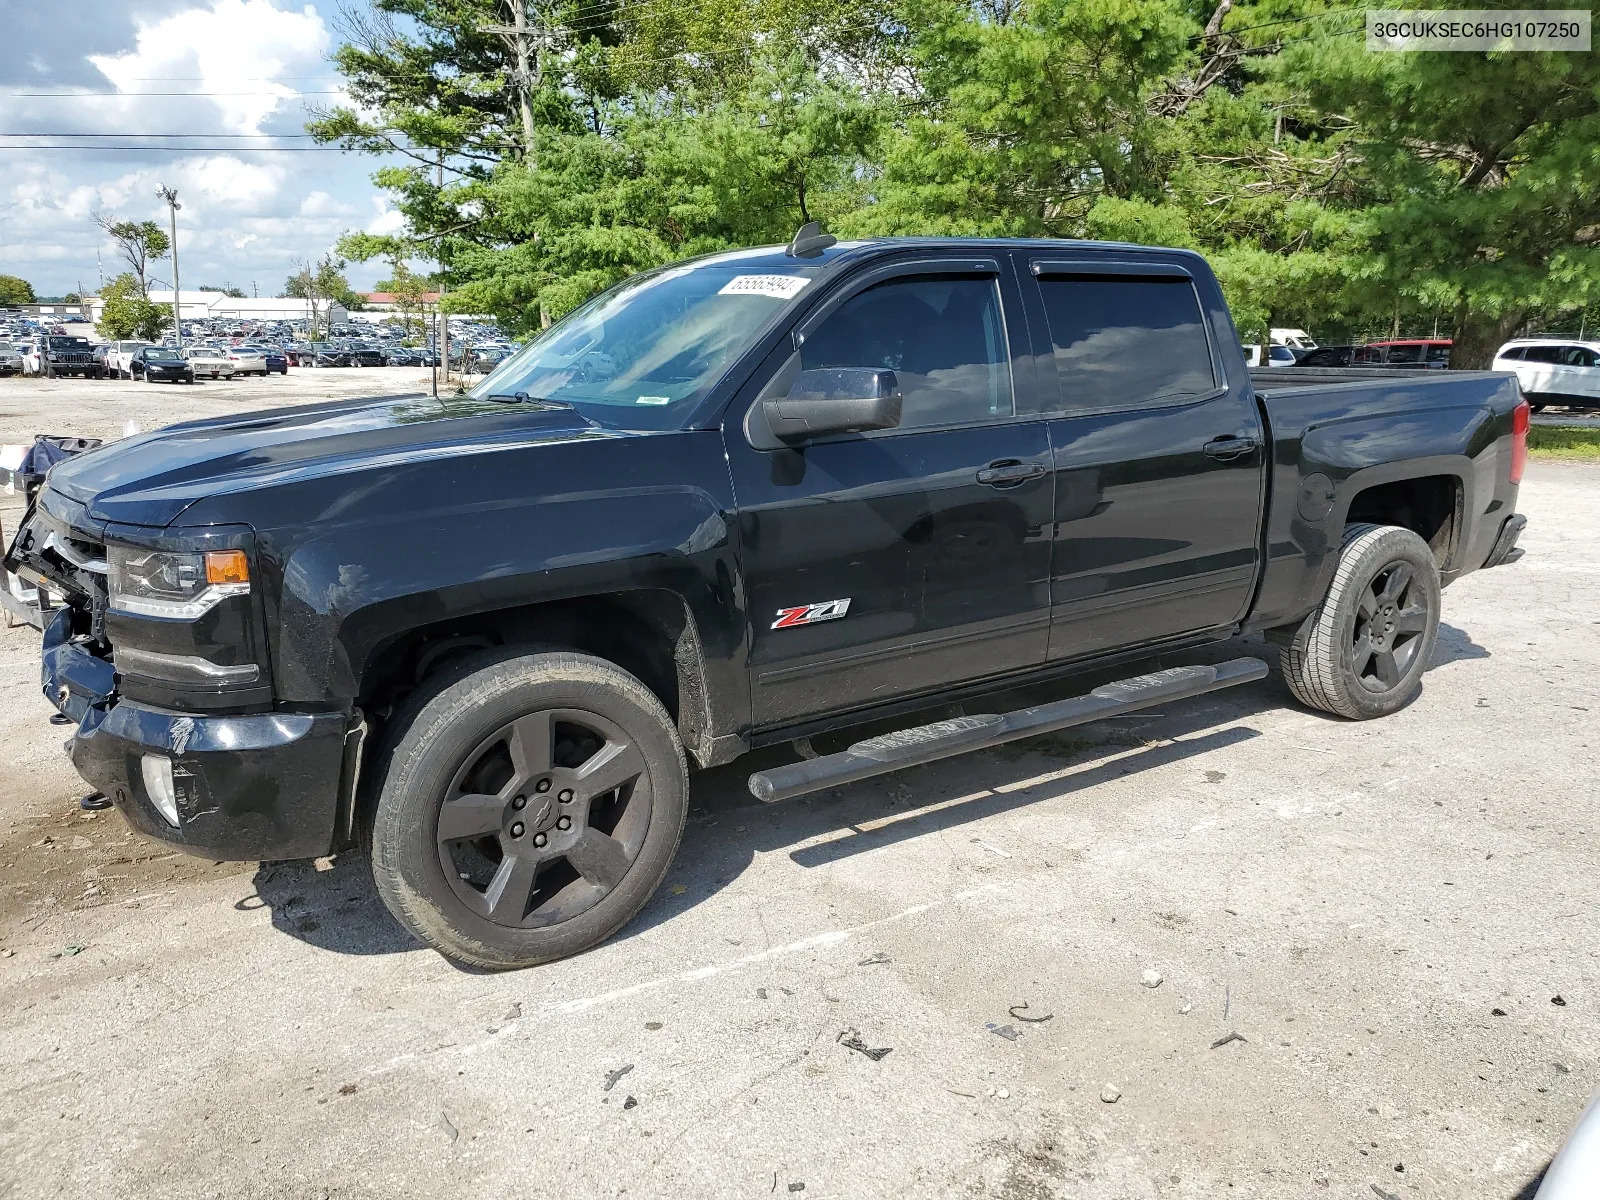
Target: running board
x: 959, y: 735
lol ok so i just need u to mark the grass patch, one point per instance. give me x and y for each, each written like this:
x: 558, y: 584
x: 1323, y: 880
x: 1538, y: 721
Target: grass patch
x: 1564, y: 441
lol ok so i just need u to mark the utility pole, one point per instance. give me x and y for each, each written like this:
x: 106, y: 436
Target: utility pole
x: 527, y: 43
x: 441, y: 339
x: 171, y: 197
x: 100, y: 267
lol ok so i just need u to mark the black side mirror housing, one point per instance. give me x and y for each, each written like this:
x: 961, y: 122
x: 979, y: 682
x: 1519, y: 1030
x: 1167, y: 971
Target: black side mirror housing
x: 833, y: 400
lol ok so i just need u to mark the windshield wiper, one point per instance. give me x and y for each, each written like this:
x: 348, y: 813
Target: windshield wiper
x: 524, y: 398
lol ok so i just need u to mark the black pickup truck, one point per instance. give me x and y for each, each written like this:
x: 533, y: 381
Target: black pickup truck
x: 735, y: 502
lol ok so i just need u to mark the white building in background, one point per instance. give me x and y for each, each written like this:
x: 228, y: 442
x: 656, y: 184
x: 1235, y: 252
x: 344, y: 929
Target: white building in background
x: 201, y: 306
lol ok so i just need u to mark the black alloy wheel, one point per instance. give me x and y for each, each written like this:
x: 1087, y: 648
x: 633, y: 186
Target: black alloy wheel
x: 544, y: 818
x: 1391, y: 619
x: 1362, y: 652
x: 528, y: 803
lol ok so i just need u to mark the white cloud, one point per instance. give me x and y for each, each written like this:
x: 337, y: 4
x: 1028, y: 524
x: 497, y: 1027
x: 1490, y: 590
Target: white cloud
x: 246, y: 215
x: 236, y: 48
x: 388, y: 220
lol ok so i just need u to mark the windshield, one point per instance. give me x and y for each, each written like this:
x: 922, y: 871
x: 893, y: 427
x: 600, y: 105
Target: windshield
x: 642, y: 354
x: 69, y: 343
x: 162, y: 355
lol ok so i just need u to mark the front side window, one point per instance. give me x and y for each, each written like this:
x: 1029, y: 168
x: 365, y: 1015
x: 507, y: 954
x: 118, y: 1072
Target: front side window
x: 1406, y: 354
x: 1578, y: 356
x: 1127, y: 342
x: 943, y: 337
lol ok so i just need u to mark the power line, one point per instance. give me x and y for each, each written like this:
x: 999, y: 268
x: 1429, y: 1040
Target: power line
x: 185, y: 149
x: 156, y: 135
x: 283, y: 95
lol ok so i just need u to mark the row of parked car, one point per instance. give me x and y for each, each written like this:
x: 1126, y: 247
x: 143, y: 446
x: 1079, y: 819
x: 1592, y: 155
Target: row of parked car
x: 1561, y: 372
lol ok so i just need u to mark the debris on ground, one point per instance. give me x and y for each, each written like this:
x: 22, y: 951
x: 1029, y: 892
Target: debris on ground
x: 450, y: 1130
x: 879, y: 957
x: 850, y: 1039
x: 69, y: 950
x: 512, y: 1014
x: 94, y: 802
x: 1558, y: 1001
x: 1151, y: 978
x: 761, y: 993
x: 1110, y: 1094
x: 1497, y: 1012
x: 991, y: 849
x: 613, y: 1076
x: 652, y: 1026
x: 1017, y: 1011
x: 1186, y: 1009
x: 1383, y: 1195
x: 1232, y: 1037
x: 797, y: 1187
x: 1215, y: 776
x: 348, y: 1089
x: 1009, y: 1032
x: 630, y: 1102
x: 678, y: 889
x: 7, y: 953
x: 1563, y: 1068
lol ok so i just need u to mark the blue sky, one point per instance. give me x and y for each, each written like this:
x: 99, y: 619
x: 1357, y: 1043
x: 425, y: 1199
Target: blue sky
x: 246, y: 68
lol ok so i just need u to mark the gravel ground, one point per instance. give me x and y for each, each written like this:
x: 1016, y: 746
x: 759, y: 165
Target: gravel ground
x: 1383, y: 913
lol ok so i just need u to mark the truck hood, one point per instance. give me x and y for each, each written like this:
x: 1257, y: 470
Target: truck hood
x: 150, y: 479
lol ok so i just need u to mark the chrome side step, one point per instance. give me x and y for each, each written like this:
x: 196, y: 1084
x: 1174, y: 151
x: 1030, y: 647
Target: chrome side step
x: 942, y: 739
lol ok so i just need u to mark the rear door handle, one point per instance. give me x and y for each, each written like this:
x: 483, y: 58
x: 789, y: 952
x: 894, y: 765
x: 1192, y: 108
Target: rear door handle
x: 1230, y: 446
x: 1008, y: 472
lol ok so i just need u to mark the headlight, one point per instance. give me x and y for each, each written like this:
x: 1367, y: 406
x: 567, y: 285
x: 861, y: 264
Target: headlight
x: 159, y: 583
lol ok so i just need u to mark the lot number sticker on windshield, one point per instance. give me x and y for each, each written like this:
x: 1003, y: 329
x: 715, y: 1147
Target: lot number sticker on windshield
x: 781, y: 287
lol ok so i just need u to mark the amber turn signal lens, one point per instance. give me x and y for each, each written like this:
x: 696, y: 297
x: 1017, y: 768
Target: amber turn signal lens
x: 227, y: 566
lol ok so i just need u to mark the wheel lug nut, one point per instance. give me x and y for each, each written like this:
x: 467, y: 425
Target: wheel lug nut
x: 539, y: 840
x: 542, y: 786
x: 564, y: 823
x: 516, y: 829
x: 520, y: 803
x: 566, y: 796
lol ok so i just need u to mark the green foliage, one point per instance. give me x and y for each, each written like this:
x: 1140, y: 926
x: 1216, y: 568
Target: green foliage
x: 139, y: 242
x: 226, y: 290
x: 14, y: 290
x: 1339, y: 190
x: 127, y: 313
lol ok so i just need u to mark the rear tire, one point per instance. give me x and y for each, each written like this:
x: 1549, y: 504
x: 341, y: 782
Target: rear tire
x: 1362, y: 652
x: 529, y: 805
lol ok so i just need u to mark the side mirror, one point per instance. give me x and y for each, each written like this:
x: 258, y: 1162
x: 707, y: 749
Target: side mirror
x: 835, y: 400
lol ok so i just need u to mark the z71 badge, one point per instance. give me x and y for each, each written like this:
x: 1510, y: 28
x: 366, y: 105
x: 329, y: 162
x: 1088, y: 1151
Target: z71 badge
x: 810, y: 614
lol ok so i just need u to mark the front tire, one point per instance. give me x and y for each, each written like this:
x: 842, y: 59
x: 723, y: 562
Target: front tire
x: 1362, y: 652
x: 529, y: 805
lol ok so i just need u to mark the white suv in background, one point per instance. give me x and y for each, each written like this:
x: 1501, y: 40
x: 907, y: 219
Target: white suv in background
x: 1561, y: 371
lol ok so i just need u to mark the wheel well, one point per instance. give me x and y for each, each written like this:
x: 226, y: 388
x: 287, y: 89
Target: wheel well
x: 647, y: 633
x: 1430, y: 507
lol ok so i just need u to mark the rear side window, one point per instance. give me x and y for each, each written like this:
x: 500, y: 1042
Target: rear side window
x: 1516, y: 352
x: 1546, y: 354
x: 1124, y: 342
x: 1406, y: 354
x: 1438, y: 354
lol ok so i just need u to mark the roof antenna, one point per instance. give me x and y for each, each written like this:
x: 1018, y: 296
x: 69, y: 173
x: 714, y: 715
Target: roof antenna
x: 810, y: 241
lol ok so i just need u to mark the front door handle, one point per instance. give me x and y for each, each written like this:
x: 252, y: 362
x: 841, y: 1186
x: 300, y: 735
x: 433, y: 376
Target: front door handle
x: 1230, y: 446
x: 1008, y: 472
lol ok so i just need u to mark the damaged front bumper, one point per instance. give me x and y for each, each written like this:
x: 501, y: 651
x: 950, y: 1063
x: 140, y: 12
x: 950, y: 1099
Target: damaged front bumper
x: 250, y: 787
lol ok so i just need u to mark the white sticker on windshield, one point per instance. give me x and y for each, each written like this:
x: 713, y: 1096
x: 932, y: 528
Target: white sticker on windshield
x: 654, y: 400
x: 783, y: 287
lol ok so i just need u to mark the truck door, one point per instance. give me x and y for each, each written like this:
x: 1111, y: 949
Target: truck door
x: 881, y: 564
x: 1158, y: 456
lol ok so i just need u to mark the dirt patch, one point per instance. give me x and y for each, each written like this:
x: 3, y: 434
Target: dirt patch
x: 66, y: 861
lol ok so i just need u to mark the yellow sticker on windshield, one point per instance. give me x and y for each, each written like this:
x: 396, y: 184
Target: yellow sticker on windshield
x: 781, y: 287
